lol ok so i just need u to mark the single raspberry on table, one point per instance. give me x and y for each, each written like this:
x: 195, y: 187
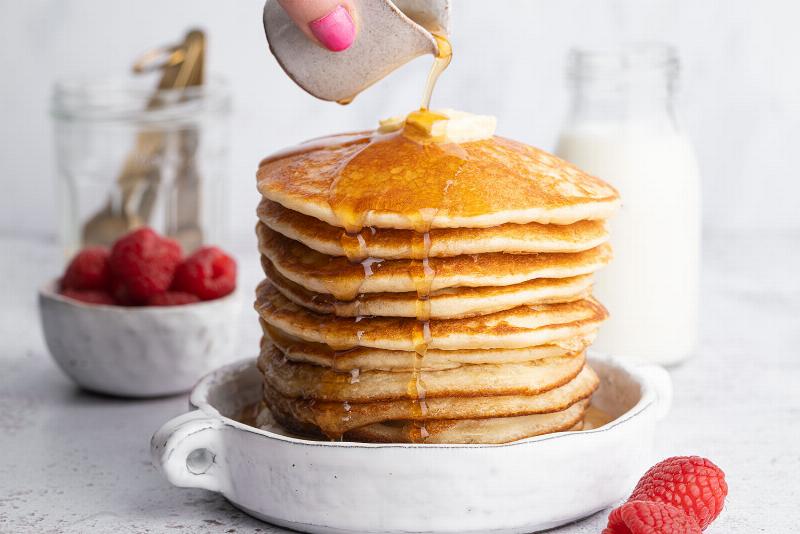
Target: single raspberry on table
x: 142, y: 264
x: 640, y: 517
x: 209, y: 274
x: 89, y: 296
x: 693, y: 484
x: 88, y: 270
x: 172, y: 298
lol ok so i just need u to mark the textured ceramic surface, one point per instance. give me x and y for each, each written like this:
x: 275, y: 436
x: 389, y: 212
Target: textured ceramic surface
x: 387, y: 38
x: 337, y: 487
x: 138, y: 352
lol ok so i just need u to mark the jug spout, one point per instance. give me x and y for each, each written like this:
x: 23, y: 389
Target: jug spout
x: 389, y: 35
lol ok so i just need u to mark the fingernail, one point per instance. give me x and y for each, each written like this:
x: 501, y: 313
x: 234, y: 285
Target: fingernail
x: 335, y: 30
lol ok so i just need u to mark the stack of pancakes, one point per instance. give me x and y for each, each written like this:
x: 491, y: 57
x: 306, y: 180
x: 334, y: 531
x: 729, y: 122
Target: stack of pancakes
x: 425, y: 291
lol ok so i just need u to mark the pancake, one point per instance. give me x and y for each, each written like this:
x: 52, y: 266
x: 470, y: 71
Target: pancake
x: 493, y: 430
x: 371, y: 359
x: 443, y: 304
x: 391, y: 244
x: 393, y: 181
x: 472, y: 431
x: 344, y: 280
x: 262, y: 418
x: 301, y: 380
x: 336, y: 418
x: 523, y: 326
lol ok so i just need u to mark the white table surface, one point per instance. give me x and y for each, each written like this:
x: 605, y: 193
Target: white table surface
x: 73, y: 462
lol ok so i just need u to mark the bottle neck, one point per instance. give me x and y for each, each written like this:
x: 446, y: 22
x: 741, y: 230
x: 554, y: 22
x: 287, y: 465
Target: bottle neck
x: 633, y: 86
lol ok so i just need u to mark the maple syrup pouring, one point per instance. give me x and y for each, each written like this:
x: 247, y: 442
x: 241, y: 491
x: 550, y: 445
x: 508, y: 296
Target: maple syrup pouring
x: 440, y: 63
x: 249, y: 414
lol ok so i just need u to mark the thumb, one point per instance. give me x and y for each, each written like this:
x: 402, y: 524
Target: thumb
x: 329, y: 22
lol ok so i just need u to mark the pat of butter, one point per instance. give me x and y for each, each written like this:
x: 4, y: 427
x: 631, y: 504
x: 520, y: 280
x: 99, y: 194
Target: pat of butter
x: 444, y: 126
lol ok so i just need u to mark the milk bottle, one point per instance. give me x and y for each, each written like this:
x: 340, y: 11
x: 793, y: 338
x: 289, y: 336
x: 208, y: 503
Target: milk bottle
x: 622, y: 129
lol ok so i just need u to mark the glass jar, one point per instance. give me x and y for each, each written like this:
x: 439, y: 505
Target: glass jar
x: 130, y: 156
x: 622, y: 128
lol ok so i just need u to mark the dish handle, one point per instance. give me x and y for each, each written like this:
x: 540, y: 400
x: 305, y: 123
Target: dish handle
x: 187, y: 450
x: 661, y: 382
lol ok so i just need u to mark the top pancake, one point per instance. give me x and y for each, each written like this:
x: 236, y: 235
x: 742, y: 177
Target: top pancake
x: 394, y: 181
x: 391, y: 244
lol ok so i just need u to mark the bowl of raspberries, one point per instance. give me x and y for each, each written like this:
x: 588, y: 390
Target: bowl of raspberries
x: 141, y: 319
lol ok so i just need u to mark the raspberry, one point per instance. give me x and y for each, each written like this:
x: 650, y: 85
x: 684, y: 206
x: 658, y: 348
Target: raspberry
x: 640, y: 517
x: 172, y: 298
x: 89, y: 296
x: 142, y: 265
x: 88, y: 270
x: 209, y: 274
x: 690, y: 483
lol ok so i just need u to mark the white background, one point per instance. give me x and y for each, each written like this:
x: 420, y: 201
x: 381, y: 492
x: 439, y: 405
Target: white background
x: 736, y: 402
x: 740, y: 96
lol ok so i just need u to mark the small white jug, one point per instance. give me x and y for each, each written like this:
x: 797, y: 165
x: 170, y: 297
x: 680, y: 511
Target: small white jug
x: 389, y: 35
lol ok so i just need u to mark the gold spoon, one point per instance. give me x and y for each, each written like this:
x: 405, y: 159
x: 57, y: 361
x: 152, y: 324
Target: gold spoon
x: 130, y: 204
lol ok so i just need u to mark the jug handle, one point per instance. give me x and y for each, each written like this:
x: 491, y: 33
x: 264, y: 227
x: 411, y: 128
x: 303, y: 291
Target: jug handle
x: 188, y: 450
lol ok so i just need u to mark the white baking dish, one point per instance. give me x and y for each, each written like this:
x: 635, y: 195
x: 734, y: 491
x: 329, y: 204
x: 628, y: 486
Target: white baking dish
x: 340, y: 487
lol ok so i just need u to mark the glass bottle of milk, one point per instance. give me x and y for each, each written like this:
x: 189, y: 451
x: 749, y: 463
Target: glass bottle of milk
x: 622, y: 129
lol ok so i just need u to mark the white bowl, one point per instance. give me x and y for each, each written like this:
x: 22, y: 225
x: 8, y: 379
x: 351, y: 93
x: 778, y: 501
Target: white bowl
x: 340, y: 487
x: 138, y: 351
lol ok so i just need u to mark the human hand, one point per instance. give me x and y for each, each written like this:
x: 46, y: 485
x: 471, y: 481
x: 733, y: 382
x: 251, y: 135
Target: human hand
x: 328, y: 22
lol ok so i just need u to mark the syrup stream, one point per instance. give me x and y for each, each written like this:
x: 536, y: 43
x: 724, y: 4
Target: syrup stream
x: 440, y: 63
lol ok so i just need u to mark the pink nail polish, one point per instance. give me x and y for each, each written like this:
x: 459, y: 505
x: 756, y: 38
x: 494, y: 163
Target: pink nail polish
x: 335, y: 30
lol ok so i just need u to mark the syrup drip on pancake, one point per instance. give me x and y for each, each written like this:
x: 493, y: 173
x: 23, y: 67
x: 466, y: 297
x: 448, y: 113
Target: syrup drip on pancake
x: 339, y: 349
x: 422, y: 274
x: 354, y: 246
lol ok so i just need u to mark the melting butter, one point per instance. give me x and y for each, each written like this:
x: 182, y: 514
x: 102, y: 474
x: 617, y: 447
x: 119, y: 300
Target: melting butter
x: 442, y: 126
